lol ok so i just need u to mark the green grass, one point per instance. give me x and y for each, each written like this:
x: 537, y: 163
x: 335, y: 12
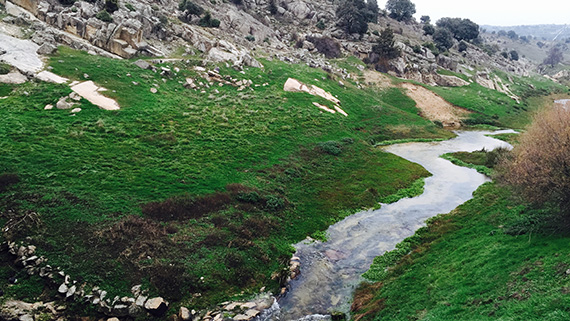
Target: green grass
x: 473, y: 160
x: 469, y: 265
x: 494, y: 108
x: 90, y: 176
x: 417, y: 188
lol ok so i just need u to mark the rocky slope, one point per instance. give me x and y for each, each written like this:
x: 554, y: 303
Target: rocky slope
x: 142, y: 27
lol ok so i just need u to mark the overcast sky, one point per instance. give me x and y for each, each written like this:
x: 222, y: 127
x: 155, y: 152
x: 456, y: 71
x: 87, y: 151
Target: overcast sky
x: 495, y: 12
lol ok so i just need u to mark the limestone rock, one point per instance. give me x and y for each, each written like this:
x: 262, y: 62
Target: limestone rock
x: 156, y: 306
x: 13, y: 78
x: 46, y: 49
x: 184, y: 314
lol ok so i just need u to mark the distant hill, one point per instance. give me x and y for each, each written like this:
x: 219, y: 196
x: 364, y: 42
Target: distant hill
x: 545, y: 32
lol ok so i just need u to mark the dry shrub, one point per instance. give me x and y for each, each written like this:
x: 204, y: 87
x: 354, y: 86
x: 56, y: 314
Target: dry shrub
x: 7, y: 179
x: 133, y: 239
x: 364, y: 305
x: 327, y: 46
x: 185, y: 207
x: 539, y: 167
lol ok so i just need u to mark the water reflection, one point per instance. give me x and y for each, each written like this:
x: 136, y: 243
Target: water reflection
x: 331, y: 270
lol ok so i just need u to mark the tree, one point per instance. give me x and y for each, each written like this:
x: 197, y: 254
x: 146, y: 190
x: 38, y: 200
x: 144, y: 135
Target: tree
x: 461, y: 29
x: 372, y: 11
x: 428, y: 29
x: 443, y: 39
x: 385, y: 46
x: 351, y: 15
x: 539, y: 166
x: 514, y: 55
x: 554, y: 57
x: 425, y: 19
x: 401, y: 10
x: 189, y: 9
x: 513, y: 35
x: 462, y: 46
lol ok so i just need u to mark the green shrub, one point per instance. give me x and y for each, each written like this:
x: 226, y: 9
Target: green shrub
x: 250, y: 38
x: 321, y: 25
x: 103, y: 15
x: 207, y: 21
x: 4, y: 68
x: 130, y: 7
x: 249, y: 197
x: 417, y: 49
x: 111, y: 5
x: 274, y: 203
x: 331, y: 147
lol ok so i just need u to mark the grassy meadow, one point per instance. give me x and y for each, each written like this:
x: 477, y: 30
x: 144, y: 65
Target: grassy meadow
x: 199, y: 194
x: 493, y: 258
x: 196, y: 195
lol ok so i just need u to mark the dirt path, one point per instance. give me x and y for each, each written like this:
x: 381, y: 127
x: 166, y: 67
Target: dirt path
x: 433, y: 107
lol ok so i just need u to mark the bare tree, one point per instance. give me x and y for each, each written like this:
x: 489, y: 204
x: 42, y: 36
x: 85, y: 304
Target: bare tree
x: 539, y: 167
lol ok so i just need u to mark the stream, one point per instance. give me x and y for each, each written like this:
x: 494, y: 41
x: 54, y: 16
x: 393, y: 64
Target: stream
x: 331, y: 270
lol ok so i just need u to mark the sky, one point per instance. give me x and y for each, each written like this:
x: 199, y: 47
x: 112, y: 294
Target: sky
x: 495, y: 12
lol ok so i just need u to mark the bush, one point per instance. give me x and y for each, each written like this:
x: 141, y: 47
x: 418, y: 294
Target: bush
x: 4, y: 68
x: 461, y: 29
x: 462, y: 46
x: 327, y: 46
x: 272, y: 7
x: 130, y: 7
x: 103, y: 15
x: 331, y: 147
x: 8, y: 179
x: 321, y: 25
x: 207, y: 21
x: 428, y: 29
x: 250, y: 38
x: 274, y: 203
x: 351, y: 15
x: 417, y: 49
x: 539, y: 167
x: 189, y: 9
x: 443, y: 39
x: 401, y: 10
x: 249, y: 197
x: 111, y: 5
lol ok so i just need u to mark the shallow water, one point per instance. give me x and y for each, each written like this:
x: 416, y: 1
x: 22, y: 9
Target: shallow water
x: 330, y: 271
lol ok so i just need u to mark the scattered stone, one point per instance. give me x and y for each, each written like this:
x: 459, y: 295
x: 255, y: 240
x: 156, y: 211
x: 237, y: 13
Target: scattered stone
x: 46, y: 49
x: 153, y: 90
x: 142, y: 64
x: 90, y: 91
x: 75, y: 110
x: 86, y: 76
x: 49, y: 76
x: 241, y: 317
x: 48, y: 107
x: 184, y: 314
x: 14, y: 77
x: 156, y: 306
x: 252, y: 313
x: 113, y: 319
x: 248, y: 305
x: 70, y: 291
x: 293, y: 85
x: 62, y: 288
x: 140, y: 301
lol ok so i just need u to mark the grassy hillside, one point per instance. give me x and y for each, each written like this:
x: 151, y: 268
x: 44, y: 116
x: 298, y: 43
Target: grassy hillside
x: 491, y: 258
x: 186, y: 191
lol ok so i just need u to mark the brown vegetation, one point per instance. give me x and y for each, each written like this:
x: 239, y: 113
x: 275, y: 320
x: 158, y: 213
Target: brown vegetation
x: 539, y: 167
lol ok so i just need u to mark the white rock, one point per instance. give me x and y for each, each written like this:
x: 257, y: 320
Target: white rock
x: 153, y: 90
x: 62, y: 288
x: 76, y: 110
x: 184, y: 314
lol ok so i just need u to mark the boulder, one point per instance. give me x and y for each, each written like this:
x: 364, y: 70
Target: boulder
x: 142, y: 64
x: 46, y: 49
x: 184, y: 314
x: 156, y: 306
